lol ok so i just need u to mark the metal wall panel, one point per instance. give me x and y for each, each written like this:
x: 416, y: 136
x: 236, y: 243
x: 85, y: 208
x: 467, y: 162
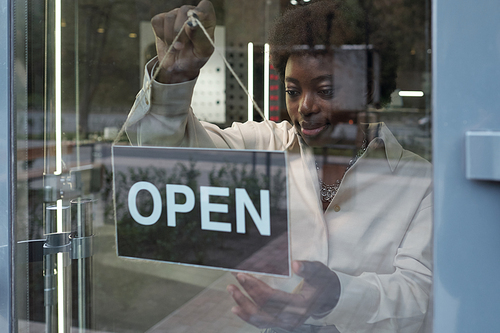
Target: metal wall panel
x: 466, y: 72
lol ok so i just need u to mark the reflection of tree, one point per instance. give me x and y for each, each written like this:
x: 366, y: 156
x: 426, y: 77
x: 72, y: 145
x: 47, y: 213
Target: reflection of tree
x: 402, y: 29
x: 407, y: 22
x: 238, y: 176
x: 234, y: 176
x: 153, y: 241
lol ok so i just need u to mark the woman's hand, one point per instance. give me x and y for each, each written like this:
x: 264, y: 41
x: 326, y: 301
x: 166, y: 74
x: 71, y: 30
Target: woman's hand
x: 192, y: 50
x: 268, y: 307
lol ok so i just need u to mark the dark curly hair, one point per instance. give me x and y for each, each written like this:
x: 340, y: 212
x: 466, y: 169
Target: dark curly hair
x: 318, y: 27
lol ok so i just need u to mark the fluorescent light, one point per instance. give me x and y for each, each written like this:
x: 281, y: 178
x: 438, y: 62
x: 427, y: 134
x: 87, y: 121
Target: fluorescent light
x: 57, y: 79
x: 250, y: 80
x: 409, y: 93
x: 61, y: 304
x: 61, y: 294
x: 266, y: 80
x: 59, y: 217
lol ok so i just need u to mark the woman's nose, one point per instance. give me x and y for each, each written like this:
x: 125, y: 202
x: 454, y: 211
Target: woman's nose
x: 307, y: 105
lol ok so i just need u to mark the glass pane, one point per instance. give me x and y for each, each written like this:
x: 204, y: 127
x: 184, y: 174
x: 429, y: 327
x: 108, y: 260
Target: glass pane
x: 344, y: 89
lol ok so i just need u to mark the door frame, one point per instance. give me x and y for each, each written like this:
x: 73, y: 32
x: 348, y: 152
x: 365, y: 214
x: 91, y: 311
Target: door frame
x: 6, y: 172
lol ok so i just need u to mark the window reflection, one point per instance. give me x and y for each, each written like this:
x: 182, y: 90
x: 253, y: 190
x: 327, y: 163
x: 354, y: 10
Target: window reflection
x: 380, y: 74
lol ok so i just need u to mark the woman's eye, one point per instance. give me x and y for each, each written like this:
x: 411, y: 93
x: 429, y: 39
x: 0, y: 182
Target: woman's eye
x: 292, y: 93
x: 326, y: 92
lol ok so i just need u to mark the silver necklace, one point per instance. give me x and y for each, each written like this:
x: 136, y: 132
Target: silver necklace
x: 328, y: 192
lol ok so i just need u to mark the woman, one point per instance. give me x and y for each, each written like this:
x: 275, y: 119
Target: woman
x: 362, y: 254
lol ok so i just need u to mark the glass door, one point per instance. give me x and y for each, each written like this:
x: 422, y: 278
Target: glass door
x: 79, y: 65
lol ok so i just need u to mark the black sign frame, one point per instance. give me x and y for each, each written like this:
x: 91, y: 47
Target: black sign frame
x: 227, y: 227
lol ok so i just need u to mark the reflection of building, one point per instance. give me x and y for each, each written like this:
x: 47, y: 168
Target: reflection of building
x: 239, y: 32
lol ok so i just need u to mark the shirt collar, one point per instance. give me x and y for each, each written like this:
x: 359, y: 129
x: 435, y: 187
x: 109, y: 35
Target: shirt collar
x: 393, y: 150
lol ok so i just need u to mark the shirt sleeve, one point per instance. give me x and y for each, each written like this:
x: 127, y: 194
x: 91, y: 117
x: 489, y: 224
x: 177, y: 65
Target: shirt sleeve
x: 162, y: 116
x: 396, y: 302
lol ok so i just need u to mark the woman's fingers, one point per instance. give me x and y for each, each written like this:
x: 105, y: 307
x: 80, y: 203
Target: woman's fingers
x: 245, y: 309
x: 244, y: 303
x: 157, y: 23
x: 163, y: 25
x: 321, y: 285
x: 167, y: 26
x: 249, y: 311
x: 192, y: 49
x: 268, y: 307
x: 181, y: 18
x: 259, y: 291
x: 206, y: 15
x: 272, y: 301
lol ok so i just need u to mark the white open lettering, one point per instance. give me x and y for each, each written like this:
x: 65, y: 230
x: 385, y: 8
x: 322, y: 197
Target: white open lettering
x: 207, y: 207
x: 242, y: 199
x: 173, y: 207
x: 262, y: 222
x: 132, y: 203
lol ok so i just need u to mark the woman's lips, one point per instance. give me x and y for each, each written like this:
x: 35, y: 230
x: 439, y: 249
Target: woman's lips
x: 312, y: 131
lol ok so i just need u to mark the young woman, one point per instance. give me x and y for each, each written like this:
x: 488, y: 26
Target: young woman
x: 362, y: 249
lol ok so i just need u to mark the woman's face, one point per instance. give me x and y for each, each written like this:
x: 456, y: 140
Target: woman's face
x: 311, y: 100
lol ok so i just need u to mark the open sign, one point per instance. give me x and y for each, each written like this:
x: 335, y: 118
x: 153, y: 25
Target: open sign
x: 220, y: 209
x: 262, y: 221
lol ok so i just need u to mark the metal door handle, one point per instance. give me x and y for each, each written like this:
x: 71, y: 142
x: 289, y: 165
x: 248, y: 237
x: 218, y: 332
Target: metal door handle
x: 482, y: 155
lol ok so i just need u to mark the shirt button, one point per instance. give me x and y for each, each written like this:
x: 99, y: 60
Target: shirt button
x: 336, y: 208
x: 147, y: 102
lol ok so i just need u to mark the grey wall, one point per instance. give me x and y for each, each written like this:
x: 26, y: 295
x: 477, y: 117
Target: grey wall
x: 466, y: 78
